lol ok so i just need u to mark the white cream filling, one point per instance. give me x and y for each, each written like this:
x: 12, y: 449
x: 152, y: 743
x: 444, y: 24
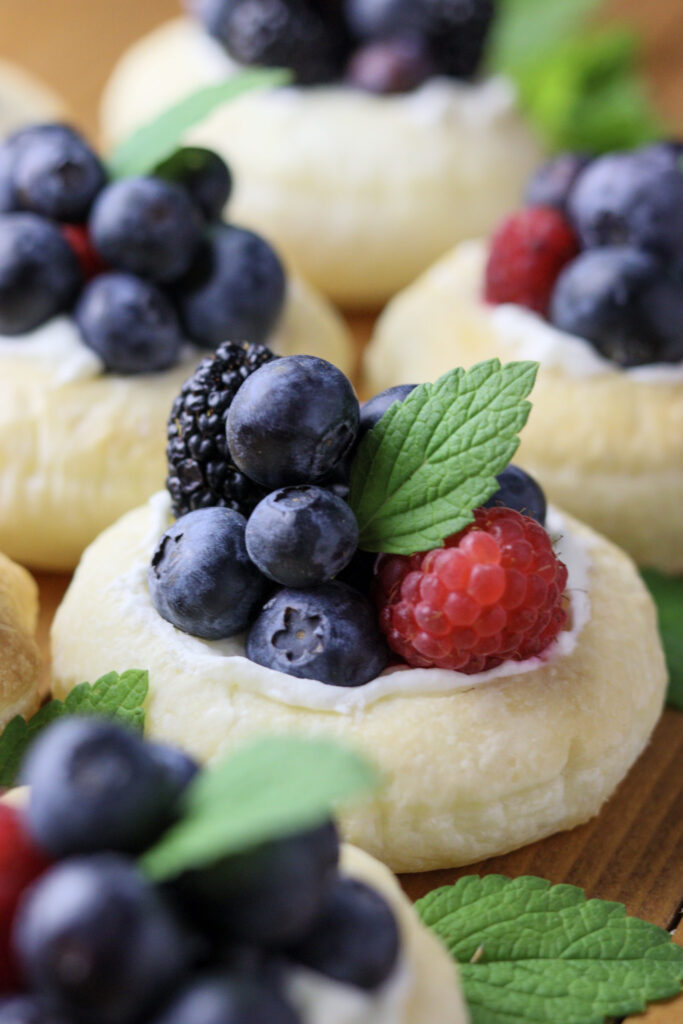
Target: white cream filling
x: 131, y: 591
x: 320, y: 1000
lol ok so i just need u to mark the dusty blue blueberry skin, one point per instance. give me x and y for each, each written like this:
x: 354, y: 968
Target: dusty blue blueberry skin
x: 146, y: 226
x: 554, y: 180
x: 355, y: 939
x: 518, y: 490
x: 301, y: 536
x: 29, y: 1009
x: 203, y: 174
x: 268, y: 896
x: 328, y: 633
x: 179, y: 767
x: 93, y: 935
x: 97, y: 786
x: 57, y: 174
x: 608, y: 296
x: 39, y: 273
x: 129, y: 323
x: 292, y: 421
x: 371, y: 412
x: 226, y: 998
x: 235, y: 290
x: 201, y: 578
x: 633, y: 198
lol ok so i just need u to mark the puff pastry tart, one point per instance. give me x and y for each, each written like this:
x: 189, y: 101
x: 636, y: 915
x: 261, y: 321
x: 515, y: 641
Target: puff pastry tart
x: 110, y: 293
x: 583, y: 280
x: 499, y: 660
x: 361, y: 177
x: 19, y: 659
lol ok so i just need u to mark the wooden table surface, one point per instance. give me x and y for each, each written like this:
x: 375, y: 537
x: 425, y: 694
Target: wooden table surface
x: 633, y: 851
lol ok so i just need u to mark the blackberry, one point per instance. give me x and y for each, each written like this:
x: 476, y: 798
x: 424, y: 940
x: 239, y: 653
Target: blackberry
x: 201, y: 472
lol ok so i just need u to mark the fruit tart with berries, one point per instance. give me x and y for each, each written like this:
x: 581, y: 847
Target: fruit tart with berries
x: 384, y: 575
x: 110, y: 291
x: 587, y: 279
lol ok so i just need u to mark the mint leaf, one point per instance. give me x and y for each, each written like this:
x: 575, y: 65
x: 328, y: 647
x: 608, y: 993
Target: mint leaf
x: 667, y: 592
x: 433, y: 458
x: 269, y: 789
x: 530, y: 951
x: 156, y: 140
x: 118, y: 696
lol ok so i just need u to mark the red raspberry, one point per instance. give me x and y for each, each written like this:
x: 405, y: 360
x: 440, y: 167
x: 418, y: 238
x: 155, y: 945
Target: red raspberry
x: 79, y: 239
x: 493, y: 594
x: 527, y: 253
x: 20, y: 864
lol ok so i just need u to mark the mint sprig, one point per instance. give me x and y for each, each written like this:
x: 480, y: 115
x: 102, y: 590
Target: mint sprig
x: 667, y: 592
x: 156, y: 140
x: 433, y: 458
x: 532, y: 951
x: 272, y: 788
x: 119, y: 696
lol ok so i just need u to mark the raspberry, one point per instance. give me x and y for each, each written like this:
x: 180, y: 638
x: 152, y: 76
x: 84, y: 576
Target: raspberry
x: 20, y: 864
x: 89, y: 259
x: 527, y: 254
x: 494, y: 593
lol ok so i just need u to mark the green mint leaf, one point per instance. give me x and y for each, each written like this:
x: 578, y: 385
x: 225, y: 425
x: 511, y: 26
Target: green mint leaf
x: 156, y: 140
x: 667, y: 592
x: 432, y: 459
x: 118, y: 696
x: 269, y: 789
x: 523, y: 28
x: 530, y: 951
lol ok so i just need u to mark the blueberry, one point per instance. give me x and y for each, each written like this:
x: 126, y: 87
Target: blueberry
x: 29, y: 1009
x: 355, y: 940
x: 235, y: 290
x: 328, y: 633
x: 129, y: 323
x: 203, y: 175
x: 9, y: 148
x: 269, y: 895
x: 227, y: 999
x: 662, y: 310
x: 301, y: 536
x: 201, y: 579
x: 371, y: 412
x: 39, y: 273
x: 604, y: 296
x: 395, y: 65
x: 96, y: 786
x: 57, y: 174
x: 519, y: 490
x: 178, y: 766
x: 632, y: 199
x: 292, y: 421
x: 95, y: 937
x: 360, y: 572
x: 553, y: 181
x: 214, y: 14
x: 147, y: 226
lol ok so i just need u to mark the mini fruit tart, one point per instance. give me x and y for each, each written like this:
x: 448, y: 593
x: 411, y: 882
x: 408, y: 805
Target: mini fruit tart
x: 587, y: 280
x: 109, y: 292
x: 385, y: 151
x: 286, y: 928
x: 23, y: 99
x: 19, y: 659
x: 397, y: 585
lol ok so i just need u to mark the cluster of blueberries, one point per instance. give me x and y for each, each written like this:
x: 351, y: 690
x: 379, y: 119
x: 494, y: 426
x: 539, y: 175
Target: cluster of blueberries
x: 624, y: 290
x: 290, y: 574
x: 383, y: 46
x: 90, y: 938
x: 144, y: 263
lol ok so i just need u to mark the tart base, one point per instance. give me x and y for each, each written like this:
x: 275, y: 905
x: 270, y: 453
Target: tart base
x: 19, y: 657
x: 469, y: 773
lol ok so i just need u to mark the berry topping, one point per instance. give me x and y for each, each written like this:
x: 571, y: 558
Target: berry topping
x: 621, y: 300
x: 301, y: 536
x: 355, y: 939
x: 200, y: 470
x: 292, y: 421
x: 95, y: 786
x: 56, y: 173
x: 95, y: 937
x: 21, y: 862
x: 371, y: 412
x: 31, y: 1009
x: 129, y: 323
x: 553, y: 181
x: 203, y: 174
x: 227, y: 999
x: 79, y: 239
x: 326, y: 633
x: 146, y: 226
x: 235, y: 289
x: 493, y: 593
x: 527, y: 253
x: 39, y: 273
x: 201, y: 579
x: 390, y: 65
x: 519, y: 490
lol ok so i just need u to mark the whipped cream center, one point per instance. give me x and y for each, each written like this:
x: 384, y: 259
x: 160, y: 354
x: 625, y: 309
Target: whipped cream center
x: 321, y: 1000
x: 212, y: 656
x: 57, y: 347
